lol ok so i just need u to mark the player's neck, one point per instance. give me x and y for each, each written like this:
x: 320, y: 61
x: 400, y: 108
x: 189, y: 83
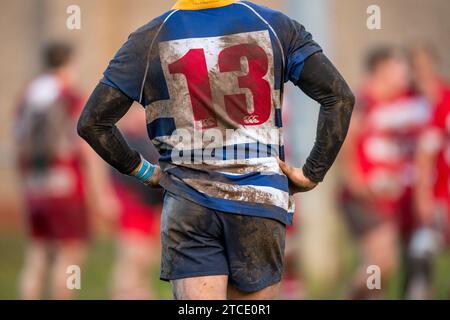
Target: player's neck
x: 201, y: 4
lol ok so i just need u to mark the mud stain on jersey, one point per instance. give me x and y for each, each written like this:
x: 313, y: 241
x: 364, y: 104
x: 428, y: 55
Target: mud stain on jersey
x: 248, y: 194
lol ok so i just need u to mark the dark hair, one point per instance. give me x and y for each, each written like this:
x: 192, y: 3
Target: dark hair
x: 380, y: 55
x: 57, y: 55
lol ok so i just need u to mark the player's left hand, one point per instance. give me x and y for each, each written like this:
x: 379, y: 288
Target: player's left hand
x: 297, y: 180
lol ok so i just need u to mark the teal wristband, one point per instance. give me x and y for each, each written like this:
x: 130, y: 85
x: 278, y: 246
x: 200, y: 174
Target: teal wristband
x: 145, y: 172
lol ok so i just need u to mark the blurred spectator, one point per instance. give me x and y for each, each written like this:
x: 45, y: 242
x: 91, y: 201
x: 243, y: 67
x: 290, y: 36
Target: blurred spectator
x: 378, y: 165
x: 432, y: 194
x: 138, y: 242
x: 57, y: 173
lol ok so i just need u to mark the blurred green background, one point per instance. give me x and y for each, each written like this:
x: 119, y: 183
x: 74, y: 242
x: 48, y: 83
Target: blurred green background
x: 96, y: 274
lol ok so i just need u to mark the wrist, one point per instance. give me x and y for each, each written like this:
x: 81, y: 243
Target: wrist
x: 307, y: 173
x: 144, y: 172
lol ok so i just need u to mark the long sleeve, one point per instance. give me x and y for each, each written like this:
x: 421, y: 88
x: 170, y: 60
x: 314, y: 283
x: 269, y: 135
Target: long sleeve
x: 321, y: 81
x: 97, y: 125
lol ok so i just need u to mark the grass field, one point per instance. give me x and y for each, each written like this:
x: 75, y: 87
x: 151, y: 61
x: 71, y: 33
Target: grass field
x: 97, y: 272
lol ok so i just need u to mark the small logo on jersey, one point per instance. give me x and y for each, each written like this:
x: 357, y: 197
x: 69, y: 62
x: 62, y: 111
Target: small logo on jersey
x: 73, y: 21
x: 374, y: 19
x: 251, y: 120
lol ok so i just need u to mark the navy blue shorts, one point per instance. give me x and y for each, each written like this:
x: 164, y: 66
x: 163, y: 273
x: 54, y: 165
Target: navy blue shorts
x: 199, y: 242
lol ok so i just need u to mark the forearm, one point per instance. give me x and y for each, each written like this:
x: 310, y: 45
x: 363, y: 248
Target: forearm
x: 322, y: 82
x: 426, y: 157
x: 423, y: 189
x: 97, y: 125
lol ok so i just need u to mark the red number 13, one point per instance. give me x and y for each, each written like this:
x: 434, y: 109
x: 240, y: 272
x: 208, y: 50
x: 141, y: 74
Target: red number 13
x: 193, y: 67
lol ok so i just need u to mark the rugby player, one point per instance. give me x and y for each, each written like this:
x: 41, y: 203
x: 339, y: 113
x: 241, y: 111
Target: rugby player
x: 210, y: 75
x: 378, y: 163
x: 56, y: 170
x: 432, y: 196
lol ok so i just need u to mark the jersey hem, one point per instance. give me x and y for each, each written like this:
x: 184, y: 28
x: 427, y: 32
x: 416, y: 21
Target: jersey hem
x: 226, y: 206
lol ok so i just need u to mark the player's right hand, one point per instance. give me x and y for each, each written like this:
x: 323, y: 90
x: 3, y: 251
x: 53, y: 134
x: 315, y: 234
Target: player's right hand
x: 298, y: 182
x: 149, y: 174
x: 155, y: 179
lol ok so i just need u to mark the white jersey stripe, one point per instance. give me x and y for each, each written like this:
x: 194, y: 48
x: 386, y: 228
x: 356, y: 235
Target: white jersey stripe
x: 247, y: 193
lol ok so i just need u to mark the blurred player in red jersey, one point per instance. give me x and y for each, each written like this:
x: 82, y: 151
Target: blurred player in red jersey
x: 432, y: 196
x: 378, y: 163
x: 54, y: 168
x: 138, y: 244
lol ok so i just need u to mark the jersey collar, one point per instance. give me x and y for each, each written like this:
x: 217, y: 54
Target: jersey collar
x: 201, y: 4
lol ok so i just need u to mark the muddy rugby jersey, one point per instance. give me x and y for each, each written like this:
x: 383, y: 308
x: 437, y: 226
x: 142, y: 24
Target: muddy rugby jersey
x: 210, y: 75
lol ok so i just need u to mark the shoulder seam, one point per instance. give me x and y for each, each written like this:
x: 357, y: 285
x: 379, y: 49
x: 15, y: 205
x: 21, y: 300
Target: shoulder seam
x: 150, y: 50
x: 268, y: 24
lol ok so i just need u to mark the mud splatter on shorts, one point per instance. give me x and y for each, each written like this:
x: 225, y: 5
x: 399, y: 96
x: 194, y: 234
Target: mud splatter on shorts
x: 197, y: 242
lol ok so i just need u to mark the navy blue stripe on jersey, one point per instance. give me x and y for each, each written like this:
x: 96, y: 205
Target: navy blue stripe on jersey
x: 282, y: 154
x: 275, y: 181
x: 235, y: 152
x: 161, y: 127
x: 278, y: 118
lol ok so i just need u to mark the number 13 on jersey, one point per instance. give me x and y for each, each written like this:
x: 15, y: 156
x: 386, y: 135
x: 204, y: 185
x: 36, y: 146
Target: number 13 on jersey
x: 228, y: 78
